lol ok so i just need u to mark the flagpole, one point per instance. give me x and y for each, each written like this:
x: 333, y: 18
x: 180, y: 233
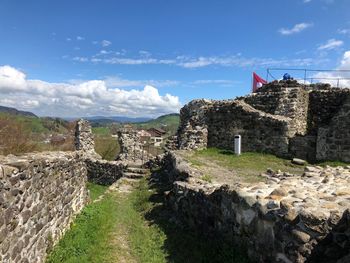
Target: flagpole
x: 252, y: 83
x: 267, y: 75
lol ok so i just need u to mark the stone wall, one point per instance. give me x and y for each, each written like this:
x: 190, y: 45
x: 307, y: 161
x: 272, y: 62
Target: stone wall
x: 287, y: 219
x: 104, y: 172
x: 98, y: 171
x: 193, y: 132
x: 131, y: 149
x: 84, y: 139
x: 324, y: 105
x: 260, y: 131
x: 40, y: 194
x: 283, y: 118
x: 333, y: 140
x: 290, y: 102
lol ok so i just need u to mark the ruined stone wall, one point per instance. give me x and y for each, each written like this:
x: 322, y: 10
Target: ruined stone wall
x: 104, y: 172
x: 288, y: 218
x: 304, y: 147
x: 290, y: 102
x: 324, y: 138
x: 131, y: 148
x: 333, y: 140
x: 284, y: 118
x: 84, y: 139
x: 192, y: 132
x: 40, y: 194
x: 98, y: 171
x: 324, y: 105
x: 260, y: 131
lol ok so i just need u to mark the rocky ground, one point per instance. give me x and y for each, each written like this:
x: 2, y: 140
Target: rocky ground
x: 285, y: 217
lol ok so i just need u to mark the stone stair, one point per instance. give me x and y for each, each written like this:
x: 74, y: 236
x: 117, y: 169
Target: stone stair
x: 135, y: 172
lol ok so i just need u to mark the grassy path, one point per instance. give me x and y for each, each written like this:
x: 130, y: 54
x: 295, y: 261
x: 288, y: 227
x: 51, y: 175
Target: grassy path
x: 130, y: 224
x: 112, y: 229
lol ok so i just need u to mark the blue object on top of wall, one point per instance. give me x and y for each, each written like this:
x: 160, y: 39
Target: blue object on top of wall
x: 286, y: 76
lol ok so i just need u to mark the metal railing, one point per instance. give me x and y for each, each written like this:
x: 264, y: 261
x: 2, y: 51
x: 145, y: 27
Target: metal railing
x: 310, y: 76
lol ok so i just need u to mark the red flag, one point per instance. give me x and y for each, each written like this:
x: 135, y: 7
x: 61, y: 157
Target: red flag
x: 257, y: 82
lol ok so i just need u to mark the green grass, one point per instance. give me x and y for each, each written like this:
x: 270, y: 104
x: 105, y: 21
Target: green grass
x: 169, y: 123
x: 247, y: 164
x: 208, y: 178
x: 89, y: 236
x: 37, y: 124
x: 146, y: 241
x: 101, y: 131
x: 139, y: 220
x: 332, y: 163
x: 96, y: 190
x: 107, y: 146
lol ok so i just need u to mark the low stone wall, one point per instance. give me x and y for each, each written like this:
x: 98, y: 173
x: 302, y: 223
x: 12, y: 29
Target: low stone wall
x: 104, y: 172
x: 287, y: 219
x: 40, y: 194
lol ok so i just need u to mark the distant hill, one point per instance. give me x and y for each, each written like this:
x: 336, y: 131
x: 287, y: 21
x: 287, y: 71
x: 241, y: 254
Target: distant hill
x: 14, y: 111
x: 168, y: 122
x: 120, y: 119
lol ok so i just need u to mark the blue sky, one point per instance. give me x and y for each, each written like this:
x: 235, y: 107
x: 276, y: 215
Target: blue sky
x: 62, y: 58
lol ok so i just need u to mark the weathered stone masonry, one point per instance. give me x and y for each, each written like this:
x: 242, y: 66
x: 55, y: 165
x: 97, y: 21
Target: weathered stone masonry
x: 286, y: 219
x: 41, y: 193
x: 283, y: 118
x: 98, y: 171
x: 39, y: 196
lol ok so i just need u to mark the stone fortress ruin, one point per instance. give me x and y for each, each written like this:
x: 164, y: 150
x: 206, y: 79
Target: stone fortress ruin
x: 284, y: 118
x: 283, y: 218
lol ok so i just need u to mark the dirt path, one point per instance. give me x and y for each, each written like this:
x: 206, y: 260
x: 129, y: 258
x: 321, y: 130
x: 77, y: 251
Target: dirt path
x: 119, y: 238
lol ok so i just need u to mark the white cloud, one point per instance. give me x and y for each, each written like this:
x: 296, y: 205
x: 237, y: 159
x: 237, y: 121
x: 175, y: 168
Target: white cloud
x: 295, y: 29
x: 80, y: 59
x: 106, y: 43
x: 144, y: 53
x: 79, y: 38
x: 344, y: 31
x: 94, y: 97
x: 239, y: 61
x: 331, y: 44
x: 145, y: 58
x: 68, y: 39
x: 307, y: 1
x: 12, y: 79
x: 337, y: 78
x: 117, y: 82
